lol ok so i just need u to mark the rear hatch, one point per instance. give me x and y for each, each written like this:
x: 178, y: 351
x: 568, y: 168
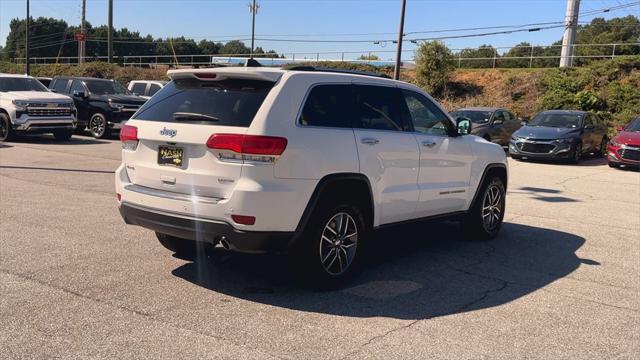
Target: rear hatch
x: 172, y: 130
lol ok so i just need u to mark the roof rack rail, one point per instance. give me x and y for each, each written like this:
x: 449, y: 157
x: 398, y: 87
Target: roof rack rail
x: 339, y: 71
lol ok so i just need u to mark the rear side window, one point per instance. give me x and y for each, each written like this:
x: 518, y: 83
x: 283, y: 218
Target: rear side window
x: 139, y: 88
x: 60, y: 85
x: 231, y: 102
x: 327, y: 105
x: 378, y: 108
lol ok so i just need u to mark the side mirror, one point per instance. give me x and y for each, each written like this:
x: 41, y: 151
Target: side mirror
x: 524, y: 122
x: 619, y: 128
x: 464, y: 125
x: 589, y: 127
x: 77, y: 93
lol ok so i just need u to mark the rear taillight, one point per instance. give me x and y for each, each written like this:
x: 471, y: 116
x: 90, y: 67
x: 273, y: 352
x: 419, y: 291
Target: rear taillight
x: 129, y: 137
x: 247, y: 147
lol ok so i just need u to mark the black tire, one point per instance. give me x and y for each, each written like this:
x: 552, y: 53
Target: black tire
x: 602, y: 151
x: 614, y: 165
x: 340, y: 251
x: 516, y: 157
x: 177, y: 245
x: 6, y: 132
x: 98, y: 126
x: 63, y: 135
x: 576, y: 155
x: 474, y: 224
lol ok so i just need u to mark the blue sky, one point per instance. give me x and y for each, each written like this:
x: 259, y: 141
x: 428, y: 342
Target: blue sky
x: 227, y: 19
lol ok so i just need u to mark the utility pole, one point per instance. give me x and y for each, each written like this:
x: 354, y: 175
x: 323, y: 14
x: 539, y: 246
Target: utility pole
x: 110, y: 36
x: 570, y: 25
x: 81, y: 42
x: 26, y: 44
x: 396, y: 72
x: 254, y: 10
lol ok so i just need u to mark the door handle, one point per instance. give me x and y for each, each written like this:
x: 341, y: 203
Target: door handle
x: 370, y: 141
x: 429, y: 144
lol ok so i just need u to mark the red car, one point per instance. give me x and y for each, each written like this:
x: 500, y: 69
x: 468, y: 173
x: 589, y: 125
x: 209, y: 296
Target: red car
x: 624, y: 148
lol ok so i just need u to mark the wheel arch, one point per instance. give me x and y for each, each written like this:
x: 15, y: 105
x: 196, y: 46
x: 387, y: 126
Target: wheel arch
x: 498, y: 169
x: 354, y: 184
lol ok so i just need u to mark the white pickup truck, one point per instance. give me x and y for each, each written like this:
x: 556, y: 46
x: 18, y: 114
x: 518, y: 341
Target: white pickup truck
x: 27, y: 106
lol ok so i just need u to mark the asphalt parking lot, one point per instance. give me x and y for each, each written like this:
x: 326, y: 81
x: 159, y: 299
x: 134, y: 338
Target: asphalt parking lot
x: 561, y: 281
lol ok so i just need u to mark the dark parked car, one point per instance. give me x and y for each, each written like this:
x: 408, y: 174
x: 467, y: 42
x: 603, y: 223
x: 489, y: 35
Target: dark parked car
x: 102, y: 104
x: 493, y: 124
x: 44, y: 80
x: 560, y: 134
x: 624, y: 148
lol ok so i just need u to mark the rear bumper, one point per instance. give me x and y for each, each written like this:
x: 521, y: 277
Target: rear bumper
x: 205, y: 230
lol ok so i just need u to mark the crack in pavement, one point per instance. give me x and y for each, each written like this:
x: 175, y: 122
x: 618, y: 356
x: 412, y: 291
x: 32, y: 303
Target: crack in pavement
x: 148, y: 316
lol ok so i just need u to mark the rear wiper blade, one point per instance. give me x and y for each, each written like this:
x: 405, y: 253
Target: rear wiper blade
x: 193, y: 116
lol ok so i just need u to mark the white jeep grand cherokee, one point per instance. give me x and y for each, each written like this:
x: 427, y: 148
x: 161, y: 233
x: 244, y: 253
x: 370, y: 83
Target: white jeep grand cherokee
x: 28, y: 106
x: 306, y: 160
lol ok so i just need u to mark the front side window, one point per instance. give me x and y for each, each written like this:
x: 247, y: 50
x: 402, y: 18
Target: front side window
x: 76, y: 85
x: 106, y: 87
x: 499, y: 118
x: 327, y: 106
x: 153, y: 89
x: 378, y: 108
x: 231, y: 102
x: 21, y: 84
x: 426, y: 116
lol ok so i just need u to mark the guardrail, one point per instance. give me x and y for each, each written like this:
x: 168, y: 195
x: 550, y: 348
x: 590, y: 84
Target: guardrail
x: 498, y: 58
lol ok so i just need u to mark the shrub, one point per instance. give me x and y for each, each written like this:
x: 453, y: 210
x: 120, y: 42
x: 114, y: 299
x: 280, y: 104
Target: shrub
x: 434, y: 66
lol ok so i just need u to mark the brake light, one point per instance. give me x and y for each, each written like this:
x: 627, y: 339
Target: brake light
x: 250, y: 147
x: 129, y: 137
x: 206, y: 76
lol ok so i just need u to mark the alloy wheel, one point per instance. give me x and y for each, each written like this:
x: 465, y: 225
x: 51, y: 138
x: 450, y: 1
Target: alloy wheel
x: 97, y: 126
x: 338, y: 243
x: 4, y: 129
x: 492, y: 208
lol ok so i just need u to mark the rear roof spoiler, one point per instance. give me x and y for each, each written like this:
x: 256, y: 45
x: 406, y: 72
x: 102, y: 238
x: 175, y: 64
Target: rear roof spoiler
x: 222, y: 73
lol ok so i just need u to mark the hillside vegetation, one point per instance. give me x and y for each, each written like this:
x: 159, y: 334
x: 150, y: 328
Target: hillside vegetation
x: 611, y: 88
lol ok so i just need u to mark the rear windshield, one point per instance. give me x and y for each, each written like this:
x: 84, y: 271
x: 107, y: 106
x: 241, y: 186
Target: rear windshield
x: 231, y: 102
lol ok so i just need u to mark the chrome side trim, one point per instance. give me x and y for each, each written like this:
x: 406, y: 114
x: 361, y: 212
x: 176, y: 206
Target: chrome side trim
x: 172, y: 195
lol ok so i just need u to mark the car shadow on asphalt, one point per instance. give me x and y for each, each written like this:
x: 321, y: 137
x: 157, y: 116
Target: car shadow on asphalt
x: 587, y: 160
x: 413, y: 272
x: 50, y: 140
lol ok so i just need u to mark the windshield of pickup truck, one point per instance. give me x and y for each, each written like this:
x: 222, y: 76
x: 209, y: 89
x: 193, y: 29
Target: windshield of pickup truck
x: 106, y: 87
x: 20, y: 84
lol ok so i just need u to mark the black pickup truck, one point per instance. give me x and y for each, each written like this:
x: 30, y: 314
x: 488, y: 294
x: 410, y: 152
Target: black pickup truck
x: 103, y: 105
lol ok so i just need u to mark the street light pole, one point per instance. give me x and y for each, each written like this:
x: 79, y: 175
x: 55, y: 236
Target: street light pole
x: 110, y: 36
x: 254, y: 10
x: 26, y: 45
x: 396, y: 73
x: 569, y: 38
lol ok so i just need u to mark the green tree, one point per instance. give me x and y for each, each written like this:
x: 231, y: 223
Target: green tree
x: 235, y: 47
x: 369, y: 57
x: 479, y: 58
x: 209, y: 47
x: 434, y: 65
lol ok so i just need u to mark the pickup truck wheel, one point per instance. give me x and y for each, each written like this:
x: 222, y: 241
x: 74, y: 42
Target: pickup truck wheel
x: 329, y: 246
x: 98, y: 126
x: 5, y: 128
x: 63, y: 135
x: 484, y: 219
x: 177, y: 245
